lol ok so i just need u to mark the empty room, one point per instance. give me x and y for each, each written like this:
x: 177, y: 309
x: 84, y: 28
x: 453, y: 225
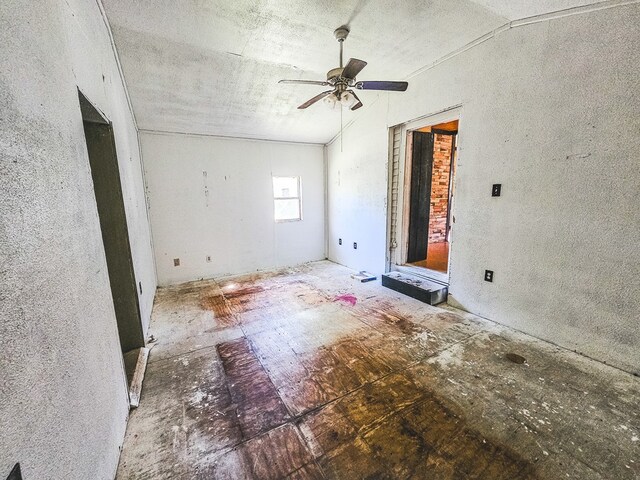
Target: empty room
x: 306, y: 239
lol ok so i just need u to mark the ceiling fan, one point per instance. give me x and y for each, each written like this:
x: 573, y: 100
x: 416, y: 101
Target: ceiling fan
x: 343, y: 80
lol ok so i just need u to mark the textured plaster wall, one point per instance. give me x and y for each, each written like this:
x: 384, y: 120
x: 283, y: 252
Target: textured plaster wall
x: 63, y: 399
x: 551, y: 111
x: 228, y: 214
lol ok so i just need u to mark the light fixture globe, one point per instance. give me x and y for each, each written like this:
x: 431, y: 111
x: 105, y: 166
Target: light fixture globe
x: 347, y: 99
x: 331, y: 101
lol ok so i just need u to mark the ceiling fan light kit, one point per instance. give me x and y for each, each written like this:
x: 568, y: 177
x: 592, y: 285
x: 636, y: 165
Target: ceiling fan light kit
x: 343, y: 80
x: 347, y: 99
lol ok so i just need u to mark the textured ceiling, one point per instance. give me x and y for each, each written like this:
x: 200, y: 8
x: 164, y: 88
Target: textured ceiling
x: 212, y: 66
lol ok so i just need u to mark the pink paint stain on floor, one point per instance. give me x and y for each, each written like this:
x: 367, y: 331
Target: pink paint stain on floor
x: 350, y: 299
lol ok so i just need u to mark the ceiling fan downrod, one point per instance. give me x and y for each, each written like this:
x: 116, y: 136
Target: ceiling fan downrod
x: 341, y: 34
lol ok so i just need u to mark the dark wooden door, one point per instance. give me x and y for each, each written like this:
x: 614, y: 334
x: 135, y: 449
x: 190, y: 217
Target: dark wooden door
x: 421, y: 165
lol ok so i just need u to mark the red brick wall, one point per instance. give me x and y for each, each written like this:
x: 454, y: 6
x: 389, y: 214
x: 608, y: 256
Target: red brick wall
x: 440, y: 187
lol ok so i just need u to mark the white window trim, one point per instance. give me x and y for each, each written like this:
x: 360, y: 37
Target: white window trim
x: 299, y: 198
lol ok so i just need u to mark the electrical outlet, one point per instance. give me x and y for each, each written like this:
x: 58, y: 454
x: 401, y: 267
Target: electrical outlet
x: 488, y: 275
x: 208, y: 258
x: 339, y: 241
x: 176, y: 262
x: 495, y: 190
x: 355, y: 245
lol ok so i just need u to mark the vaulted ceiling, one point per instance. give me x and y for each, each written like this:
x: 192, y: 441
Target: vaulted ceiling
x: 212, y: 66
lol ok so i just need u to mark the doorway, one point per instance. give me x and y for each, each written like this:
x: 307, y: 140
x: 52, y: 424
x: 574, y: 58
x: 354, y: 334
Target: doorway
x: 433, y: 151
x: 423, y: 158
x: 103, y: 162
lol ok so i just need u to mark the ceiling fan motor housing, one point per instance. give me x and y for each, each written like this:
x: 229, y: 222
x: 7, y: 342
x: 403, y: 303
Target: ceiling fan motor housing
x: 334, y: 73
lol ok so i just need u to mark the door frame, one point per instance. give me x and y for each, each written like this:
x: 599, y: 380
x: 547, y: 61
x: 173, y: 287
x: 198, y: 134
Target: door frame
x: 400, y: 171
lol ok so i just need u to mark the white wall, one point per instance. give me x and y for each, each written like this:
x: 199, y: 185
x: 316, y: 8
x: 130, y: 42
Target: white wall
x: 357, y: 186
x: 551, y: 110
x: 63, y: 399
x: 228, y: 214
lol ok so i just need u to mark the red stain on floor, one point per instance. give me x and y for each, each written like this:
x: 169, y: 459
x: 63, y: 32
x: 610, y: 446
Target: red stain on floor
x: 350, y: 299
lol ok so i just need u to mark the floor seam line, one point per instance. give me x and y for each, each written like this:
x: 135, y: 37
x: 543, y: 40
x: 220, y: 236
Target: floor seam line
x: 187, y: 352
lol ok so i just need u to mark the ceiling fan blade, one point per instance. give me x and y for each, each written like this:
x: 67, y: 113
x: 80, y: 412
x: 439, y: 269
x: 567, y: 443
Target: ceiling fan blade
x: 358, y: 104
x: 390, y: 86
x: 353, y: 68
x: 305, y: 82
x: 313, y: 100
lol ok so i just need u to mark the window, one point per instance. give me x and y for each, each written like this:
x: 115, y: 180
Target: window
x: 286, y: 199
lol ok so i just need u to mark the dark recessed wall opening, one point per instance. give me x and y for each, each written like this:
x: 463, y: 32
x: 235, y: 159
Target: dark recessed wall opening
x: 105, y: 173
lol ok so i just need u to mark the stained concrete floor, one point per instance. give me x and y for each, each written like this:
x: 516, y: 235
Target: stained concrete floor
x: 307, y: 374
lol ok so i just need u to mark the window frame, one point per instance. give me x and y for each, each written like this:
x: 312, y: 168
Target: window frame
x: 298, y: 198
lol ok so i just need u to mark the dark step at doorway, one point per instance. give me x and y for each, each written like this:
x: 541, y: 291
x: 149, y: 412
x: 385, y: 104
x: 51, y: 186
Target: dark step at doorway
x: 421, y: 289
